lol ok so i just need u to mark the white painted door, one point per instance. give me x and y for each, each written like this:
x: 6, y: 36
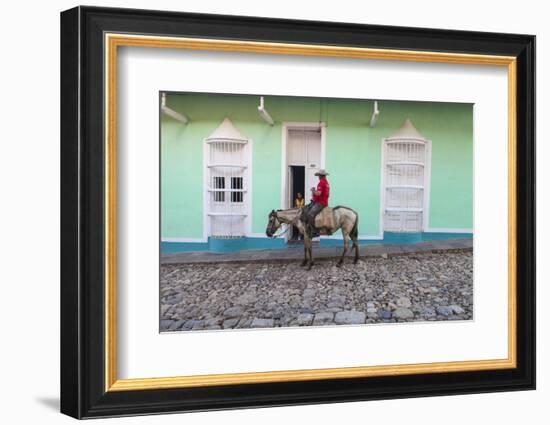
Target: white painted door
x: 313, y: 140
x: 304, y: 148
x: 290, y: 185
x: 404, y: 181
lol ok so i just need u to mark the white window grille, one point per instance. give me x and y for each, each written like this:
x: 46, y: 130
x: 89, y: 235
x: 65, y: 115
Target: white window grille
x: 227, y: 189
x: 405, y: 176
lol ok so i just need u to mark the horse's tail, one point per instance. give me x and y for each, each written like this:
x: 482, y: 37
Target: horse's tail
x: 355, y: 230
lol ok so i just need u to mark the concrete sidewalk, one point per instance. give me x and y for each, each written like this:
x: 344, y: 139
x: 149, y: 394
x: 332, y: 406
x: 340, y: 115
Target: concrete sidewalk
x: 319, y: 253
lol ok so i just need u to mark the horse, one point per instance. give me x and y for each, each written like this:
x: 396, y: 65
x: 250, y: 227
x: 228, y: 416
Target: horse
x: 345, y: 219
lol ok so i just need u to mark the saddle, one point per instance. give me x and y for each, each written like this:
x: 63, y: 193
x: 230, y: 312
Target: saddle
x: 325, y: 221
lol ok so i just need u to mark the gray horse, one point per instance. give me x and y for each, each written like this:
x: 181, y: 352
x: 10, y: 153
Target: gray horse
x: 344, y: 218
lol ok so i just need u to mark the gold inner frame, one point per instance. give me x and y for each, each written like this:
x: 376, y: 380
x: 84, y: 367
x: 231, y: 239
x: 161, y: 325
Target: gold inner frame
x: 113, y: 41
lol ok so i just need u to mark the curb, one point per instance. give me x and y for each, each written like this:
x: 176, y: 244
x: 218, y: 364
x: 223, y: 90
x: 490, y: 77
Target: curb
x: 316, y: 259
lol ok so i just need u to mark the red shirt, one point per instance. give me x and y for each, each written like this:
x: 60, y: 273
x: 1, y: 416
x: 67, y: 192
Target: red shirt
x: 324, y: 188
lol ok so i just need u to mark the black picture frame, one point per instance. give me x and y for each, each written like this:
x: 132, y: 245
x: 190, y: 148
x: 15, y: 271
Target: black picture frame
x: 83, y: 392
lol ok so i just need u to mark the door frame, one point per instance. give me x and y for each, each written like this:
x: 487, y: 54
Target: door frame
x: 287, y: 125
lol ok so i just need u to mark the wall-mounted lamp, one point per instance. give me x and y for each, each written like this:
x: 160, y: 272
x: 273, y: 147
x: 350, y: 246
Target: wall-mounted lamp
x: 263, y: 113
x: 170, y: 112
x: 375, y: 114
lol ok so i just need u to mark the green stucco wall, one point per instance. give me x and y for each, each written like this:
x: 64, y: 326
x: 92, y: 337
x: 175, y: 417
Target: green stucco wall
x: 353, y: 155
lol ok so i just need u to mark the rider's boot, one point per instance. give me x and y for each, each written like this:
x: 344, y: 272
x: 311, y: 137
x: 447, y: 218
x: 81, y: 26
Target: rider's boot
x: 313, y: 232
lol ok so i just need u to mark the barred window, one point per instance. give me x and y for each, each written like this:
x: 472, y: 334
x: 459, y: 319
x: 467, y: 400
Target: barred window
x: 228, y: 157
x: 218, y: 185
x: 236, y: 186
x: 405, y: 168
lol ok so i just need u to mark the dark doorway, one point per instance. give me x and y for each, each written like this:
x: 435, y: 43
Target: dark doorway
x: 297, y: 178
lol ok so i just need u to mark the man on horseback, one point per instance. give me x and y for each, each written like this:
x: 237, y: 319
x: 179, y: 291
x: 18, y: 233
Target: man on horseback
x: 343, y: 218
x: 319, y: 200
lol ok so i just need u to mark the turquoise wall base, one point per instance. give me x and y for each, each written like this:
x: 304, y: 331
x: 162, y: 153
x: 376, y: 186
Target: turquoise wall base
x: 243, y: 244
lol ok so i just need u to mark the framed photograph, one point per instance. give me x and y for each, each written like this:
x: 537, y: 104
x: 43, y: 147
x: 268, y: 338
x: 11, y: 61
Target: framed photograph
x: 261, y: 212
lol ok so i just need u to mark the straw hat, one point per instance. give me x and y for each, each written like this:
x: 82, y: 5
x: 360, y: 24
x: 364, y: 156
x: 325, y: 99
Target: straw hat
x: 321, y: 172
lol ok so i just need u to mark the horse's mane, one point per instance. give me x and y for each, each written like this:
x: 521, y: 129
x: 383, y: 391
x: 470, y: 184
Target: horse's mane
x: 288, y: 210
x: 343, y: 207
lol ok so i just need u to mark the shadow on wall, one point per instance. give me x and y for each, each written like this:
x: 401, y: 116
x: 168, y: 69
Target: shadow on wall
x: 49, y: 402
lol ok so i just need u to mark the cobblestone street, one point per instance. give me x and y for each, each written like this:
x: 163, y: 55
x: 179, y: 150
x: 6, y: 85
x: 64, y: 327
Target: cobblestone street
x: 418, y: 287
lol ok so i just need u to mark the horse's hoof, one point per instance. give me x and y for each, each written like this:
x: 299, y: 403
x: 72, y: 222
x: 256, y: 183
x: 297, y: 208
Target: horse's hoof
x: 338, y: 264
x: 356, y: 261
x: 303, y: 263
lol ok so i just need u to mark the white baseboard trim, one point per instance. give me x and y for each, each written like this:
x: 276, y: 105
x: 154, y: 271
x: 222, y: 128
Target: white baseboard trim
x: 185, y: 240
x: 264, y: 236
x: 203, y: 240
x: 445, y: 230
x: 336, y: 237
x: 256, y: 235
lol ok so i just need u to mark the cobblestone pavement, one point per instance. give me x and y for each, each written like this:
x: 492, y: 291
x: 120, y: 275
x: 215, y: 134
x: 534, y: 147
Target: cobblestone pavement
x: 417, y: 287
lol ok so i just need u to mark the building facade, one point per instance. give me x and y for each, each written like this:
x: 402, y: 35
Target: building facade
x: 409, y: 176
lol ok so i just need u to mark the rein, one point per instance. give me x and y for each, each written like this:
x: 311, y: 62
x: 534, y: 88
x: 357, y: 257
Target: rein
x: 283, y: 232
x: 289, y: 226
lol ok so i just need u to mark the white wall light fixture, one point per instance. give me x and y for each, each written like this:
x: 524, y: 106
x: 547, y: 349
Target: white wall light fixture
x: 375, y: 114
x: 170, y: 112
x: 263, y: 113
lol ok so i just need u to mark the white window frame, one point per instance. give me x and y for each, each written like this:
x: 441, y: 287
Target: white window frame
x: 247, y: 183
x: 427, y: 179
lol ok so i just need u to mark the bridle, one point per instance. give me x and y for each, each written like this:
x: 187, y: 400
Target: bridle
x: 272, y: 225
